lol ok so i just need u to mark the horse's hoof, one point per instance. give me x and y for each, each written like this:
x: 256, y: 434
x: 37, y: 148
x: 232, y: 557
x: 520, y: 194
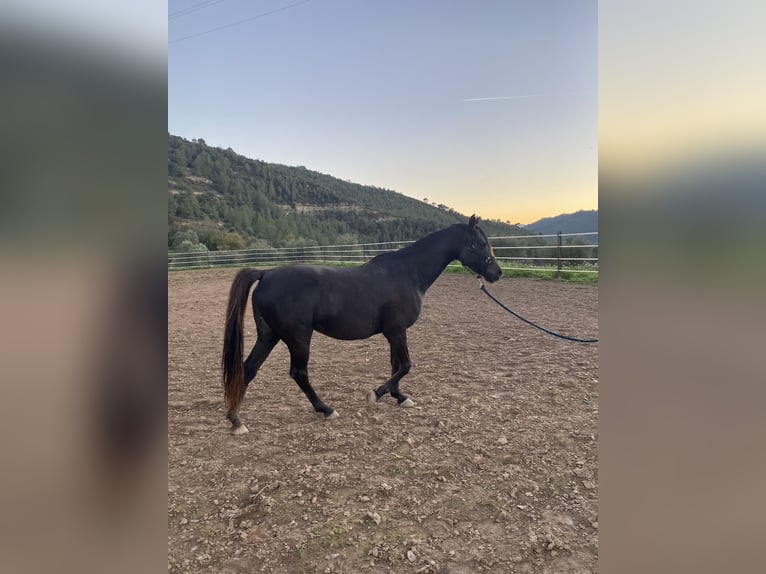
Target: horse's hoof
x: 333, y: 415
x: 241, y: 429
x: 407, y: 403
x: 372, y: 398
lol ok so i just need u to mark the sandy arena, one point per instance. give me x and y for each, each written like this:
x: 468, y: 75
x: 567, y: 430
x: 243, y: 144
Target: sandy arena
x: 494, y: 470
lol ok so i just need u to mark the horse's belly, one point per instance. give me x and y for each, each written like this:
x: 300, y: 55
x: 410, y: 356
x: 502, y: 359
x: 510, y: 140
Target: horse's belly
x: 347, y: 327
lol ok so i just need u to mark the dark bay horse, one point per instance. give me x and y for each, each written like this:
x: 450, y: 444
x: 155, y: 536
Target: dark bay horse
x: 384, y: 295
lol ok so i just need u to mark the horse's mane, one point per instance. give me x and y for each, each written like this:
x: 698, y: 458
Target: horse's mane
x: 484, y: 235
x: 430, y: 238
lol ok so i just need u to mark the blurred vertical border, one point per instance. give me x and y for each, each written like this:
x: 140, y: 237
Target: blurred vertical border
x: 682, y: 196
x: 83, y: 304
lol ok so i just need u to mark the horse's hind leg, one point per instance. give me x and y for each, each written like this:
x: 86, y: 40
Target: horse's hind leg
x: 299, y: 360
x: 263, y: 346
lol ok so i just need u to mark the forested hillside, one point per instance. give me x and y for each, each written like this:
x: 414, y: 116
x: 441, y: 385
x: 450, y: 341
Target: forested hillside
x: 579, y: 222
x: 218, y: 199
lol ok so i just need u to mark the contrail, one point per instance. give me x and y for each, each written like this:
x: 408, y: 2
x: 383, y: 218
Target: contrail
x: 504, y: 97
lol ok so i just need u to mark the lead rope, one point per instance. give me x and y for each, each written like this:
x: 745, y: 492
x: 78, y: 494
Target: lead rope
x: 528, y: 322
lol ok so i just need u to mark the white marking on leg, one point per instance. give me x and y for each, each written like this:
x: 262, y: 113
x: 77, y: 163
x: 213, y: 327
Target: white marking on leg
x: 372, y: 398
x: 407, y: 403
x: 333, y: 415
x: 241, y: 429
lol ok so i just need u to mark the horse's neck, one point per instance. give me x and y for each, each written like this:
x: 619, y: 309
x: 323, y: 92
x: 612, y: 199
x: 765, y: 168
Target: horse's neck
x: 429, y: 256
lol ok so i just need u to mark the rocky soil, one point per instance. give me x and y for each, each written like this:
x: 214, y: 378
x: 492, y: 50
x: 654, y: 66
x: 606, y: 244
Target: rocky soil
x: 494, y: 470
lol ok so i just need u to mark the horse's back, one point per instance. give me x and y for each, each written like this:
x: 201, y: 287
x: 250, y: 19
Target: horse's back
x: 344, y: 303
x: 294, y: 285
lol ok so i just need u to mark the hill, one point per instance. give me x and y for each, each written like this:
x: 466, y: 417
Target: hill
x: 218, y: 199
x: 580, y: 222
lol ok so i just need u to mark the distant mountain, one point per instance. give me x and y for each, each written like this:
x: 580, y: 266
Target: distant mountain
x: 218, y: 199
x: 580, y: 222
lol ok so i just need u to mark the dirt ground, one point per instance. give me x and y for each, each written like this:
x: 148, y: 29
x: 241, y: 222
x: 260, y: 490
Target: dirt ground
x: 494, y: 470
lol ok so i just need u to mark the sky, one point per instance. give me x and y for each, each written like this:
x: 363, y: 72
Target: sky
x: 695, y: 90
x: 487, y: 107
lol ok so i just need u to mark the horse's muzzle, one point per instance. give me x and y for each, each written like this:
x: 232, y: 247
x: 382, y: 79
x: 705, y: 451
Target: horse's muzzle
x: 492, y: 271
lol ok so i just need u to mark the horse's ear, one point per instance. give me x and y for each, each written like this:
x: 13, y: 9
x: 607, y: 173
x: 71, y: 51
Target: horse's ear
x: 473, y: 222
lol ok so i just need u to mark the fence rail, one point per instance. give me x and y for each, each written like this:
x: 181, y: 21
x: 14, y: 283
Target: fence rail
x: 358, y: 253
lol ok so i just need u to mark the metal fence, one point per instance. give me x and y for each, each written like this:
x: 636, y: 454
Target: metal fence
x: 552, y: 257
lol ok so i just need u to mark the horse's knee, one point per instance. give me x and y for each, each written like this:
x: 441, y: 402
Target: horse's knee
x: 405, y: 368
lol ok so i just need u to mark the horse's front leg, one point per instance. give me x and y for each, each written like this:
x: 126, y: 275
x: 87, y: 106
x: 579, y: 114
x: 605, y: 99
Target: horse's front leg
x: 376, y: 394
x: 400, y: 366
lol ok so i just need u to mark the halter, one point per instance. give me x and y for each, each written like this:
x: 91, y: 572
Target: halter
x: 491, y: 257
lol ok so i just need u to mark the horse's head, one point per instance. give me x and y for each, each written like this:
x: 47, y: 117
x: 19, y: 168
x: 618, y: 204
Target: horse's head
x: 476, y: 252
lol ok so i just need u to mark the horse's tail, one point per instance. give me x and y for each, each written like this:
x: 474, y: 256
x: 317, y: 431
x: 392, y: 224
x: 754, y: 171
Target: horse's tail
x: 232, y: 359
